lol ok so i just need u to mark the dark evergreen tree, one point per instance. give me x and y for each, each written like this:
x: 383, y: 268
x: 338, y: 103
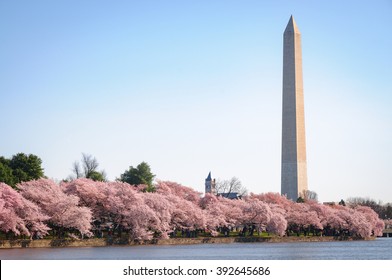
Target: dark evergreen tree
x: 141, y: 175
x: 20, y: 168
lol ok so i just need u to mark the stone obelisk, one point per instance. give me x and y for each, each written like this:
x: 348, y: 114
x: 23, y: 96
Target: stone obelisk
x: 294, y: 175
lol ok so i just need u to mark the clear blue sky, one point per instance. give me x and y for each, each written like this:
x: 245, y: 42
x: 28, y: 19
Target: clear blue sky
x: 196, y: 86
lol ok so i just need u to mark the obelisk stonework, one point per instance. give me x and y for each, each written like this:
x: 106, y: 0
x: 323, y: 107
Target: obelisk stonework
x: 294, y: 175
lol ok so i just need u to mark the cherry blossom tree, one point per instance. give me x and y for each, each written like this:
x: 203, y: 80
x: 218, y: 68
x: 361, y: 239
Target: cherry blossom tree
x: 185, y: 214
x: 207, y: 200
x: 278, y: 222
x: 62, y: 209
x: 91, y: 194
x: 233, y: 211
x: 77, y: 204
x: 35, y: 219
x: 129, y: 211
x: 376, y: 224
x: 214, y: 212
x: 167, y: 187
x: 9, y: 220
x: 300, y: 218
x: 274, y: 198
x: 359, y: 226
x: 323, y: 212
x: 163, y: 211
x: 341, y: 219
x: 351, y: 222
x: 279, y: 206
x: 256, y: 212
x: 20, y: 215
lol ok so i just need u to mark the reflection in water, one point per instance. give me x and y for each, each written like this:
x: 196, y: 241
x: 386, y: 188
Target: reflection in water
x: 351, y: 250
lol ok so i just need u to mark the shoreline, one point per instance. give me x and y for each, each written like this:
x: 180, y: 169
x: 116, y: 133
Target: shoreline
x: 104, y: 242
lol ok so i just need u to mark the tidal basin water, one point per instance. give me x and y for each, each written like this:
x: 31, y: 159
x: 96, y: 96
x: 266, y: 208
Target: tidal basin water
x: 379, y: 249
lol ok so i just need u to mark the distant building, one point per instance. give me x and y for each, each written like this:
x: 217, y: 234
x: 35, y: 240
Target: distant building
x: 210, y: 185
x: 232, y: 195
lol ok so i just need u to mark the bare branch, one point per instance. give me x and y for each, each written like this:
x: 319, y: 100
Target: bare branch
x: 228, y: 187
x: 90, y: 164
x: 76, y: 170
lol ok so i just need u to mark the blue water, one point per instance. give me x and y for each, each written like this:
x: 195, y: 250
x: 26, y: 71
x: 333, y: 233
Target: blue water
x: 379, y: 249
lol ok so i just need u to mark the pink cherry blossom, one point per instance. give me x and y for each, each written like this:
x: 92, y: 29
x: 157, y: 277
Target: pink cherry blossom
x: 62, y: 209
x: 20, y: 215
x: 278, y: 222
x: 167, y: 187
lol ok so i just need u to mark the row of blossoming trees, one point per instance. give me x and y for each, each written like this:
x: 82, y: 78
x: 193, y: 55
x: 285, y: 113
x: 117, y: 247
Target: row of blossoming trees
x: 84, y: 207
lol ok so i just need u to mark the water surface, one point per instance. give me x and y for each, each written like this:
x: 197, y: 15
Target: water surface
x: 379, y: 249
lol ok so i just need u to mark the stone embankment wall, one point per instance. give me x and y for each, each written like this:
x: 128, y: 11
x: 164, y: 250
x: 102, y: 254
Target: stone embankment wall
x: 100, y: 242
x: 46, y: 243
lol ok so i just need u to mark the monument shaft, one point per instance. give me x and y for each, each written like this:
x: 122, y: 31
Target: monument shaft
x: 293, y: 174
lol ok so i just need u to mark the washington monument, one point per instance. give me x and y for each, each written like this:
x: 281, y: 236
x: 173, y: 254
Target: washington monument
x: 294, y: 175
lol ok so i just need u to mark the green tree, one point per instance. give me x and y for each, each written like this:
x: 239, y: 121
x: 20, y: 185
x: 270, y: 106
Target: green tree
x: 20, y: 168
x: 141, y: 175
x: 97, y: 176
x: 6, y: 172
